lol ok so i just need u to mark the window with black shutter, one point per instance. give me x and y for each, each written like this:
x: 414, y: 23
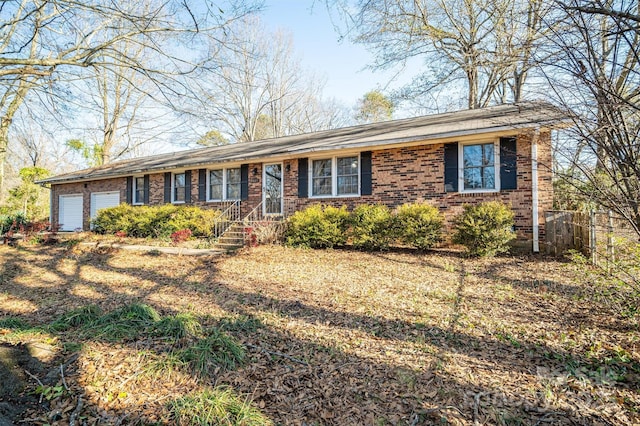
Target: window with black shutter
x: 451, y: 167
x: 365, y: 173
x: 167, y: 187
x: 202, y: 185
x: 303, y: 177
x: 508, y: 164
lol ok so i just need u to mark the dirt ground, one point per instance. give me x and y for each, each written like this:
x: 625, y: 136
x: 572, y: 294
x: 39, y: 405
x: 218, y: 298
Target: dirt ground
x: 332, y: 337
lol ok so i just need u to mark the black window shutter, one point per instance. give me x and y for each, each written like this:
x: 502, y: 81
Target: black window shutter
x: 451, y: 167
x: 244, y: 181
x: 167, y: 187
x: 365, y: 173
x: 202, y: 185
x: 508, y: 164
x: 187, y: 186
x: 129, y: 194
x: 146, y: 189
x: 303, y: 177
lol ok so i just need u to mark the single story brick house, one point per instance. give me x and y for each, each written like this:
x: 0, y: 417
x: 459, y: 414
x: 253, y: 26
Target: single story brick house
x: 451, y: 159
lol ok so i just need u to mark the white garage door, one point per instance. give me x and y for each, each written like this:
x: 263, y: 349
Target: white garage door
x: 70, y: 212
x: 102, y: 200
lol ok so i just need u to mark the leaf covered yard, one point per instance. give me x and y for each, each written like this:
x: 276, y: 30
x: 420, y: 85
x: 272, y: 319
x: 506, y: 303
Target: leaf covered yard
x: 310, y: 337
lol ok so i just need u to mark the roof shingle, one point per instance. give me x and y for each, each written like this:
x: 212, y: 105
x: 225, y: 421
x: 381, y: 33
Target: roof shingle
x: 427, y: 128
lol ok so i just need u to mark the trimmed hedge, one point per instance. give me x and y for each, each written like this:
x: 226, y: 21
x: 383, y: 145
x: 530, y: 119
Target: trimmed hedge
x: 318, y: 227
x: 155, y: 221
x: 371, y: 227
x: 485, y: 229
x: 419, y: 225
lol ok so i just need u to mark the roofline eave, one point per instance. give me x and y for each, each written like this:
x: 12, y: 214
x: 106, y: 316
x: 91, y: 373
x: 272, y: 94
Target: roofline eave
x: 298, y: 153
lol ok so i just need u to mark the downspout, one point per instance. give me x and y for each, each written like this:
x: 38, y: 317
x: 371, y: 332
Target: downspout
x: 534, y: 191
x: 51, y: 209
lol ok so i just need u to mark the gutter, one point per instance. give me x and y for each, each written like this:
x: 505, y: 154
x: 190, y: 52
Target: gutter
x: 295, y: 151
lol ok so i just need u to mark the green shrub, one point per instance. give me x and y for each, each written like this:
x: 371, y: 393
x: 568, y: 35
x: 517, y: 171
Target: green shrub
x: 485, y: 229
x: 114, y: 219
x: 199, y: 221
x: 419, y: 225
x: 371, y: 227
x: 152, y: 221
x: 155, y: 221
x: 12, y: 222
x: 318, y: 227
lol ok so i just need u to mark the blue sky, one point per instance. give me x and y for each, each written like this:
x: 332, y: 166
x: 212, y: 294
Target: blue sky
x: 340, y: 63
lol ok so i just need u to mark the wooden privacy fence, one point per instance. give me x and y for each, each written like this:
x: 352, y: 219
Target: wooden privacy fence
x: 597, y: 234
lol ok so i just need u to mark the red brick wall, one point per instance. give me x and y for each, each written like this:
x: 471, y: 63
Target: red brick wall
x: 399, y: 175
x: 86, y: 188
x: 417, y: 174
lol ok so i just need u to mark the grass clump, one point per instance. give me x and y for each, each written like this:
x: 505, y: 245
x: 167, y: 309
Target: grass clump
x: 219, y: 406
x: 178, y: 327
x: 75, y: 318
x: 13, y: 323
x: 485, y: 229
x: 217, y: 350
x: 318, y: 227
x: 128, y: 323
x: 203, y: 357
x: 125, y: 323
x: 17, y: 330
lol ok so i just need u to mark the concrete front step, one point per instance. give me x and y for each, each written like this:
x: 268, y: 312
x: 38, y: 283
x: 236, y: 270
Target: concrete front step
x: 227, y: 247
x: 232, y: 239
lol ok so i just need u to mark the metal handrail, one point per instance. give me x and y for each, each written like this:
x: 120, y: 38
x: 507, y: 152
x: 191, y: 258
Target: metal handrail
x: 227, y: 218
x: 256, y: 214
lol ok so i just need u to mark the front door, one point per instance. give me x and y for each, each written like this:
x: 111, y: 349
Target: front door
x: 272, y: 190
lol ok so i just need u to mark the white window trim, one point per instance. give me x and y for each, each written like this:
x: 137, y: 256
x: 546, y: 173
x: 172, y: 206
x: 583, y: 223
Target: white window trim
x: 224, y: 184
x: 334, y: 176
x: 496, y: 166
x: 173, y: 187
x: 134, y: 189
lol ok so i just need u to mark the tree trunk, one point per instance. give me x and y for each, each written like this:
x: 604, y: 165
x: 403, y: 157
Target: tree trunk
x: 4, y: 143
x: 5, y: 123
x: 472, y: 80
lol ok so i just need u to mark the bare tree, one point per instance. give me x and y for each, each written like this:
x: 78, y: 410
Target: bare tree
x: 598, y: 75
x: 260, y: 90
x: 486, y: 44
x: 43, y: 40
x: 116, y: 111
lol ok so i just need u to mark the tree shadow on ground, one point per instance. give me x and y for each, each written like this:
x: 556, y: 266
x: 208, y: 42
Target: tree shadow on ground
x: 299, y: 378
